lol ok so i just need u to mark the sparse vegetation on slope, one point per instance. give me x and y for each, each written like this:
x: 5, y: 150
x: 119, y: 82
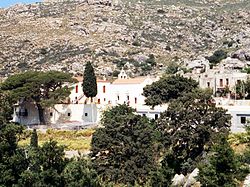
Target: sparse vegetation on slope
x: 64, y: 35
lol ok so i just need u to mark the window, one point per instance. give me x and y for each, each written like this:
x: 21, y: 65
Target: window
x: 135, y: 100
x: 221, y: 82
x: 86, y: 114
x: 156, y: 116
x: 104, y: 99
x: 69, y: 114
x: 128, y: 97
x: 76, y: 101
x: 51, y: 114
x: 208, y: 84
x: 76, y: 88
x: 99, y: 101
x: 227, y: 82
x: 118, y: 98
x: 243, y: 120
x: 23, y: 112
x: 104, y: 89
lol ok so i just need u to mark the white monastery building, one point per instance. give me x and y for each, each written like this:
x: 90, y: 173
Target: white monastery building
x: 125, y: 90
x: 79, y: 108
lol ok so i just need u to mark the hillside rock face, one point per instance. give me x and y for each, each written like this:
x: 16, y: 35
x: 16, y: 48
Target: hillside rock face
x: 64, y: 34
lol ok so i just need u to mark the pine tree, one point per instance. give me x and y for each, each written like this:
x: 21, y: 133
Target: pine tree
x: 34, y: 139
x: 45, y: 89
x: 89, y: 81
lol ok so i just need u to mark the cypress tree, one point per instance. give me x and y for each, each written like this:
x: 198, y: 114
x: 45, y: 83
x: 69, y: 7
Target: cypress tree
x: 34, y: 139
x: 89, y: 81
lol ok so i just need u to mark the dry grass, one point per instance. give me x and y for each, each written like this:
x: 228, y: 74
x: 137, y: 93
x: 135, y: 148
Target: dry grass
x: 239, y: 141
x: 72, y: 140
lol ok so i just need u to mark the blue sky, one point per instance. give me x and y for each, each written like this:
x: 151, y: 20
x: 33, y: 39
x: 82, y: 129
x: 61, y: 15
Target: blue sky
x: 7, y: 3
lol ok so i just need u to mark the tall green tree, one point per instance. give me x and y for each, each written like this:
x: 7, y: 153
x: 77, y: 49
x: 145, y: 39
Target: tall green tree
x: 89, y: 81
x: 34, y: 139
x: 79, y: 172
x: 6, y: 109
x: 189, y: 127
x: 12, y: 158
x: 43, y: 88
x: 124, y: 150
x: 220, y: 169
x: 167, y: 88
x: 46, y: 165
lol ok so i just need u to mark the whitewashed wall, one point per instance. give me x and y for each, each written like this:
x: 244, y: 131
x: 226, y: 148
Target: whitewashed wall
x: 32, y: 117
x: 237, y: 112
x: 60, y: 113
x: 128, y: 92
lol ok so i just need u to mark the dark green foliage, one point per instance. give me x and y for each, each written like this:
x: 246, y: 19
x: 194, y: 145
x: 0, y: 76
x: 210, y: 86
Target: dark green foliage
x: 167, y: 88
x: 79, y: 173
x: 163, y: 176
x: 89, y: 81
x: 151, y: 60
x: 145, y: 68
x: 115, y: 73
x: 172, y: 68
x: 245, y: 88
x: 29, y: 178
x: 244, y: 159
x: 217, y: 57
x: 246, y: 70
x: 123, y: 151
x: 240, y: 89
x: 6, y: 110
x: 221, y: 167
x: 34, y: 139
x: 189, y: 126
x: 46, y: 165
x: 12, y: 159
x: 52, y: 156
x: 44, y: 88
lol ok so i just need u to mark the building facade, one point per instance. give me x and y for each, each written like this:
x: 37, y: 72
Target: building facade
x: 218, y: 79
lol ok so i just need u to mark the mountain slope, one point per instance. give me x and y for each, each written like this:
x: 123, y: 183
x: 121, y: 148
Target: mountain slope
x: 63, y: 35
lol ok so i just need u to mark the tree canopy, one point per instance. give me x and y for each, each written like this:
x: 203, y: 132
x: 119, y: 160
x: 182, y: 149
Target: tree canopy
x: 89, y: 81
x: 167, y: 88
x: 221, y: 166
x: 189, y: 127
x: 217, y: 56
x: 122, y: 151
x: 6, y: 110
x: 43, y: 88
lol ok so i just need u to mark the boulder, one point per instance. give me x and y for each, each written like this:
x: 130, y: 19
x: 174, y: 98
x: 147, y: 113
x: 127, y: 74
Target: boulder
x: 191, y: 180
x: 178, y: 180
x: 247, y: 181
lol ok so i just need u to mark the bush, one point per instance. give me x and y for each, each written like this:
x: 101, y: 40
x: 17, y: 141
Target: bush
x: 217, y: 57
x: 172, y: 68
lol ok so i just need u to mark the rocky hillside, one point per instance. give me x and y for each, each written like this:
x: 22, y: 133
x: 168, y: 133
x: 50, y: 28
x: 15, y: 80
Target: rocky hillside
x: 64, y: 34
